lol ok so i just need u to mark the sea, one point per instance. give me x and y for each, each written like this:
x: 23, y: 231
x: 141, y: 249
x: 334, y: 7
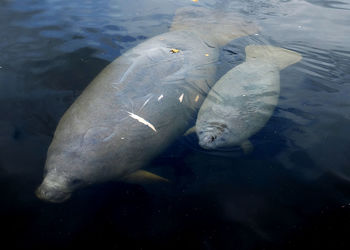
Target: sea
x: 292, y: 191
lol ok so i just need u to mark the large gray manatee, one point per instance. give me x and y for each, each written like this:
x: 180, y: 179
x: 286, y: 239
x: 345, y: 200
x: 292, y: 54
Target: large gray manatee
x: 139, y: 104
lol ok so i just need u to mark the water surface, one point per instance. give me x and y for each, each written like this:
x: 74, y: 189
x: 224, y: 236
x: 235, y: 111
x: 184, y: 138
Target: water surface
x: 292, y: 191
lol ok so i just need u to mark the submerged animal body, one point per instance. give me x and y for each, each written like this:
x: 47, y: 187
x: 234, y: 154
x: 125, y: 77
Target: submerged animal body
x: 243, y: 100
x: 137, y: 106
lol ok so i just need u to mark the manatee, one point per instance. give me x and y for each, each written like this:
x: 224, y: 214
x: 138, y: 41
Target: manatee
x: 243, y: 100
x: 138, y: 105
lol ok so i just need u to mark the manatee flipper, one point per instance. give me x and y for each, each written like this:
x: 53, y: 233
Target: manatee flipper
x: 282, y: 58
x: 247, y: 147
x: 190, y: 131
x: 142, y: 176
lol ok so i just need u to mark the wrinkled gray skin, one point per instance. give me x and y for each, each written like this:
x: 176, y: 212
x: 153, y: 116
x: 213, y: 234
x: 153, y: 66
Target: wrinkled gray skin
x: 241, y: 109
x: 101, y: 138
x: 243, y: 100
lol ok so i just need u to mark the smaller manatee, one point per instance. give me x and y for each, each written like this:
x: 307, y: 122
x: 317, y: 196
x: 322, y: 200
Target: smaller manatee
x: 243, y: 100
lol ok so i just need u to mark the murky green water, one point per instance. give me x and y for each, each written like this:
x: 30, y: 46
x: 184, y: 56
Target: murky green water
x: 292, y: 191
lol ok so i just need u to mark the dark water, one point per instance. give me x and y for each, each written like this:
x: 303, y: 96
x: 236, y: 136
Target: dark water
x: 292, y: 191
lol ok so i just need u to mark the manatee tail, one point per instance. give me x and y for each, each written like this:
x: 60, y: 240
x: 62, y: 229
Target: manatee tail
x: 279, y: 56
x: 214, y: 24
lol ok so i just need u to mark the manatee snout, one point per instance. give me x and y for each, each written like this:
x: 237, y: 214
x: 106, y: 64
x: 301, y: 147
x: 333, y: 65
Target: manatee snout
x: 52, y: 192
x: 206, y: 141
x: 210, y: 140
x: 211, y: 136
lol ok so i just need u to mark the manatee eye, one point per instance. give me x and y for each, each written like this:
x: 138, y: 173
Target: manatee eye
x: 75, y: 182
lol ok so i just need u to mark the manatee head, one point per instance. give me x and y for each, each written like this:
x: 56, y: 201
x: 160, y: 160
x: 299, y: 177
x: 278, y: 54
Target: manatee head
x: 213, y: 134
x: 62, y: 174
x: 75, y: 160
x: 54, y: 189
x: 216, y: 126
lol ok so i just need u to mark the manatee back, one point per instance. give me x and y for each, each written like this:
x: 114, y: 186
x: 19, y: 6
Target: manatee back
x: 138, y: 104
x: 220, y: 26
